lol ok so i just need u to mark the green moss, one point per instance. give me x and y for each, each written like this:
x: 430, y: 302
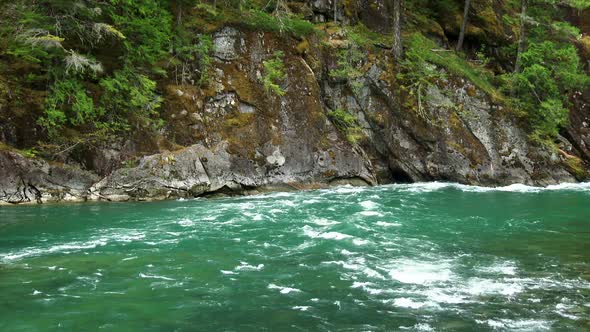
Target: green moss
x: 576, y: 167
x: 428, y: 51
x: 366, y: 38
x: 239, y: 120
x: 347, y: 125
x: 303, y: 47
x: 28, y: 153
x: 253, y: 19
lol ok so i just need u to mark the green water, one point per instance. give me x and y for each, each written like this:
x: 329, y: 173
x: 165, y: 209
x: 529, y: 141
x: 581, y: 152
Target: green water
x: 402, y: 257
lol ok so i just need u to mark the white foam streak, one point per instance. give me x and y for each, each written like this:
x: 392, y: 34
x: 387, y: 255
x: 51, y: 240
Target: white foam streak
x: 62, y: 248
x: 413, y: 272
x: 148, y: 276
x: 301, y: 307
x: 186, y: 223
x: 368, y: 205
x: 423, y: 187
x: 387, y: 224
x: 518, y: 325
x: 408, y: 303
x: 284, y: 290
x: 324, y: 222
x: 479, y: 286
x: 244, y: 266
x: 310, y: 232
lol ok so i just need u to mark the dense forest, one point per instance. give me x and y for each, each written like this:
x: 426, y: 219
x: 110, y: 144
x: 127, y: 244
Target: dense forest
x: 76, y: 76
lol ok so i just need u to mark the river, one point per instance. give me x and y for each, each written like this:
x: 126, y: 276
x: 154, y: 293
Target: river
x: 417, y: 257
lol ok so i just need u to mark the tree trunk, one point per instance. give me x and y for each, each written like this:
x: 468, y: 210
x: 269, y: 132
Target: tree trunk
x: 335, y: 10
x: 463, y: 25
x: 398, y: 50
x: 179, y: 15
x: 522, y: 37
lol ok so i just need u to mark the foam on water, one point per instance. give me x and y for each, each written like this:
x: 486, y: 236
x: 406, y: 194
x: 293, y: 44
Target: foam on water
x: 186, y: 223
x: 409, y: 303
x: 418, y: 327
x: 368, y: 205
x: 150, y: 276
x: 347, y: 189
x: 479, y: 286
x: 244, y: 266
x: 324, y: 222
x: 310, y: 232
x: 61, y: 248
x: 387, y: 224
x: 301, y: 307
x: 516, y: 188
x: 283, y: 289
x: 518, y: 325
x: 422, y: 273
x: 371, y: 213
x: 506, y: 268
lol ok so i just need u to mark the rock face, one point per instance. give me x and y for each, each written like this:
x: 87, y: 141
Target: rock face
x: 197, y: 170
x: 237, y: 138
x: 25, y: 180
x: 458, y: 136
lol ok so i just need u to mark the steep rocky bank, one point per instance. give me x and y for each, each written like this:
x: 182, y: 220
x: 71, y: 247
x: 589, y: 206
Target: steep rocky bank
x: 236, y: 138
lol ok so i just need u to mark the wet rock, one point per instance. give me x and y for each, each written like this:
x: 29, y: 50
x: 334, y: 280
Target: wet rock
x: 24, y: 180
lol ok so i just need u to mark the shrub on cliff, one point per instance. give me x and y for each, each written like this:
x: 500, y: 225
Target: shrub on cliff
x: 550, y: 72
x: 274, y: 73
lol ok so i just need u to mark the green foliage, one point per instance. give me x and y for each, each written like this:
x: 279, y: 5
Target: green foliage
x: 423, y: 50
x: 63, y: 40
x: 260, y: 20
x: 147, y: 27
x: 579, y: 4
x: 210, y: 10
x: 29, y: 53
x: 98, y: 59
x: 365, y: 38
x: 29, y: 153
x: 416, y: 66
x: 417, y: 73
x: 274, y: 73
x: 128, y: 93
x: 346, y: 124
x: 349, y: 61
x: 550, y: 71
x: 565, y: 29
x: 192, y: 57
x: 562, y: 62
x: 68, y: 103
x: 203, y: 50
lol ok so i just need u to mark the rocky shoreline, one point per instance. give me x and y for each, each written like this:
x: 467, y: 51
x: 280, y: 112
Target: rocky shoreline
x: 188, y: 173
x: 236, y: 138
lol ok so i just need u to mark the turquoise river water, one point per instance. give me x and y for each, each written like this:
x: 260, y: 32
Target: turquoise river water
x: 420, y: 257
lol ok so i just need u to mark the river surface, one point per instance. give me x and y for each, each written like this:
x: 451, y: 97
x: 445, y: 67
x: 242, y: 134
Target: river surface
x: 420, y: 257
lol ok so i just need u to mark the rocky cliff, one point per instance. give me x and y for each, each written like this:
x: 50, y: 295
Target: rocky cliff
x: 237, y: 138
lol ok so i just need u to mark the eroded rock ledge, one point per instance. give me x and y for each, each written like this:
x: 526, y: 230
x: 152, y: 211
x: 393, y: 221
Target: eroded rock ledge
x: 191, y: 172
